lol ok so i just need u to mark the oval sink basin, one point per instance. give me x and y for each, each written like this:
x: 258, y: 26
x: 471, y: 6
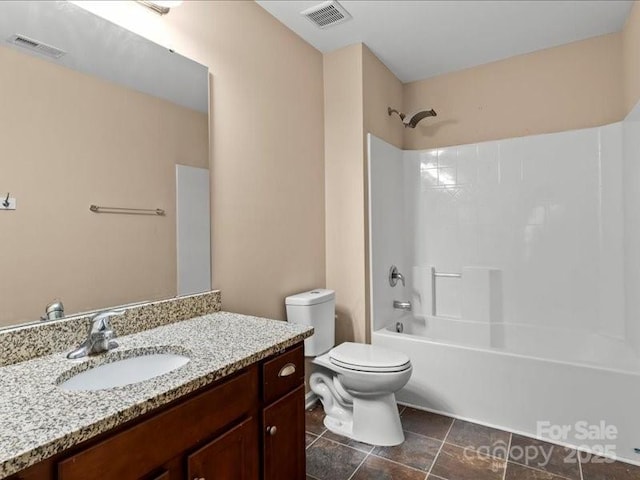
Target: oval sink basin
x: 125, y: 372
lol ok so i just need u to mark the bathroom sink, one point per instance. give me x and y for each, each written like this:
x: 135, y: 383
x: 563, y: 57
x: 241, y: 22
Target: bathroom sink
x: 123, y: 372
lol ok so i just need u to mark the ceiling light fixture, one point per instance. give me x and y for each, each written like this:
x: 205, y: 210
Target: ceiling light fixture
x: 160, y: 7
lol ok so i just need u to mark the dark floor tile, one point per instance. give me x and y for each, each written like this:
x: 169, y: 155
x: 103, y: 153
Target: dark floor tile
x: 375, y: 468
x: 425, y: 423
x: 314, y: 418
x: 544, y: 456
x: 364, y: 447
x: 598, y: 468
x: 519, y: 472
x: 486, y: 440
x: 456, y: 463
x: 416, y: 451
x: 310, y: 438
x: 331, y: 461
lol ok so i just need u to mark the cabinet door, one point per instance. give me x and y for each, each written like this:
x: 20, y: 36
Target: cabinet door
x: 283, y: 421
x: 232, y: 456
x: 147, y: 446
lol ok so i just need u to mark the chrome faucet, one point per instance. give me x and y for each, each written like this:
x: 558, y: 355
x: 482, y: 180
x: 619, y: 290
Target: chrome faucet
x: 54, y: 311
x: 100, y: 337
x: 394, y: 276
x: 398, y: 305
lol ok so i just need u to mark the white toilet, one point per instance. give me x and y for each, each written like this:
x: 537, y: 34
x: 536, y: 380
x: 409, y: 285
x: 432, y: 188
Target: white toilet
x: 355, y: 382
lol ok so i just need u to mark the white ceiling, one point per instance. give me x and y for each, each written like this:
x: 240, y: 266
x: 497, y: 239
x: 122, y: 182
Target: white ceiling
x: 421, y: 39
x: 98, y: 47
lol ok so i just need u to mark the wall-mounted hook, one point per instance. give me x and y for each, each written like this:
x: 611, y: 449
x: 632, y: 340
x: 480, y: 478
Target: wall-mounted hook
x: 7, y: 203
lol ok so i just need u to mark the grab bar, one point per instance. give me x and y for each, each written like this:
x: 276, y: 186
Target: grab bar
x: 137, y: 211
x: 434, y: 275
x: 447, y: 275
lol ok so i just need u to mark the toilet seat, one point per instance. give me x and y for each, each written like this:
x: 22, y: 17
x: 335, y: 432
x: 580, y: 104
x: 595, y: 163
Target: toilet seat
x: 368, y: 358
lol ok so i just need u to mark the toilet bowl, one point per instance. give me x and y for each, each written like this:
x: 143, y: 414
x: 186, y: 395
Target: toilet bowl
x: 356, y: 384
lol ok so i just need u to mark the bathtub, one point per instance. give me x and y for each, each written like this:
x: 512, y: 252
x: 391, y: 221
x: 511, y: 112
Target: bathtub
x: 579, y: 390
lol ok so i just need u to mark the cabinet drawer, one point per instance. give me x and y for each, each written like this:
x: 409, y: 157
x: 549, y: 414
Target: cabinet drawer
x: 138, y: 450
x: 283, y: 374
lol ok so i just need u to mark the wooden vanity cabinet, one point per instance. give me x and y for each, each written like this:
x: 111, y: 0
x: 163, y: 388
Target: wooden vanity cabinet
x: 231, y: 455
x: 283, y: 417
x: 283, y: 434
x: 246, y: 427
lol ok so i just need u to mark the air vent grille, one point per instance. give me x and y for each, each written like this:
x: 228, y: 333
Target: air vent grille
x: 36, y: 46
x: 327, y: 14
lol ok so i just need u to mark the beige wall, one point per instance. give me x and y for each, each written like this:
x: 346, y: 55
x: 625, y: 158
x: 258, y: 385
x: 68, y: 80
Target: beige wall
x: 72, y: 140
x: 631, y: 56
x: 381, y: 89
x: 572, y: 86
x: 344, y: 198
x: 358, y: 88
x: 267, y: 145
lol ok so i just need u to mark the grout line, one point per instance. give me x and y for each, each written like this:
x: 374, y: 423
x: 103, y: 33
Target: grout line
x: 314, y: 441
x: 539, y: 470
x: 349, y: 446
x: 427, y: 436
x: 435, y: 459
x: 506, y: 460
x: 358, y: 468
x: 397, y: 463
x: 476, y: 450
x: 424, y: 436
x: 444, y: 439
x: 579, y: 463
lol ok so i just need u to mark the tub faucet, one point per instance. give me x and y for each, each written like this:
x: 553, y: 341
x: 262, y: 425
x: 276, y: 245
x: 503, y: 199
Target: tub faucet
x: 100, y: 337
x: 394, y: 276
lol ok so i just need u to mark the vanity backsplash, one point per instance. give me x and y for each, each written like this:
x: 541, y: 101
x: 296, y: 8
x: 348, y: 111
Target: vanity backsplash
x: 35, y: 340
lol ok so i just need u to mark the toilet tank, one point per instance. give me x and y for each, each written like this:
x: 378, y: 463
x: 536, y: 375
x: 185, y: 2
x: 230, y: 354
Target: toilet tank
x: 315, y: 308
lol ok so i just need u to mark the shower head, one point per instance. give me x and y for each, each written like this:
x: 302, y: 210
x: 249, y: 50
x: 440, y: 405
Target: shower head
x: 415, y: 119
x: 419, y: 116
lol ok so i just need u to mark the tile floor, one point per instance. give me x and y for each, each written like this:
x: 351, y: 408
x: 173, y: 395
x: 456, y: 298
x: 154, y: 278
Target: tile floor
x: 441, y: 448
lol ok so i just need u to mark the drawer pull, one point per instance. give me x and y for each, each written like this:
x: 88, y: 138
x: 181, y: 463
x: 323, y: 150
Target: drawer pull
x: 272, y: 430
x: 288, y: 369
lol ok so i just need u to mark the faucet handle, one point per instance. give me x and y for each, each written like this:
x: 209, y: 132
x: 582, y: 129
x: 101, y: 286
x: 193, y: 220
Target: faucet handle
x: 394, y: 276
x: 100, y: 321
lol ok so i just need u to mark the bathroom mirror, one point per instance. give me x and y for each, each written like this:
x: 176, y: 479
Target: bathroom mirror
x: 94, y: 115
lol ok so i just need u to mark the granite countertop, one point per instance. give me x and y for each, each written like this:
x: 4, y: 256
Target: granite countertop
x: 39, y: 419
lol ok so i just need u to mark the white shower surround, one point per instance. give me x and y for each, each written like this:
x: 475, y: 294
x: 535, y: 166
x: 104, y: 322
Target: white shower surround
x: 557, y: 216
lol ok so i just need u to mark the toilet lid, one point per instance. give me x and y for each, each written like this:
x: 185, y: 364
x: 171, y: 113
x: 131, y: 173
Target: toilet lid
x: 368, y: 358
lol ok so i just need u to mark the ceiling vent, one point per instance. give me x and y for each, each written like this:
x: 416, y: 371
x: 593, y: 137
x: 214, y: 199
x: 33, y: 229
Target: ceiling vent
x: 327, y: 14
x: 36, y: 46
